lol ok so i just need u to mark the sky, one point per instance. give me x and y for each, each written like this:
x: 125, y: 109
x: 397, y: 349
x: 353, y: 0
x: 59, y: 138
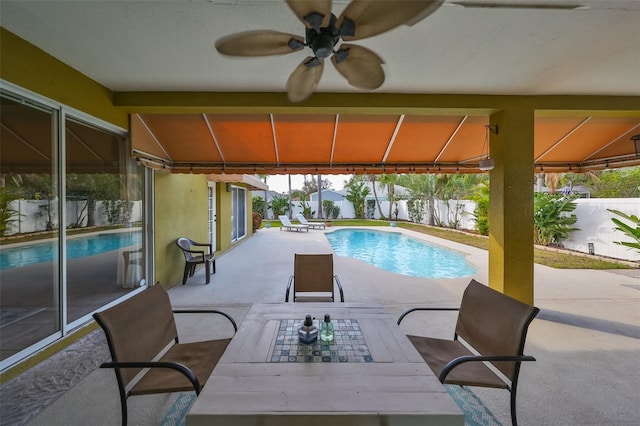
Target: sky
x: 280, y: 183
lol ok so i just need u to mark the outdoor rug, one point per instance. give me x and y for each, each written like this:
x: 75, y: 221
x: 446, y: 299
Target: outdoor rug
x: 24, y: 397
x: 475, y: 412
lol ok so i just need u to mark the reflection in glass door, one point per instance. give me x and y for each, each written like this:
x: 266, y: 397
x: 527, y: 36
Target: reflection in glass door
x: 212, y: 216
x: 71, y: 219
x: 104, y: 189
x: 238, y: 213
x: 29, y: 207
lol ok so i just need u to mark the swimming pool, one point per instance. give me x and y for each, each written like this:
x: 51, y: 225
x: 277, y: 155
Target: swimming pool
x: 76, y: 247
x: 398, y: 253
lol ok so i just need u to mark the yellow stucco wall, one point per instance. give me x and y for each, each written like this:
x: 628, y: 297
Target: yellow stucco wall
x: 29, y: 67
x: 181, y: 211
x: 223, y: 212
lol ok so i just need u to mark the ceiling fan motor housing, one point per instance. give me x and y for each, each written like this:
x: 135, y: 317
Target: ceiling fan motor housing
x: 322, y: 40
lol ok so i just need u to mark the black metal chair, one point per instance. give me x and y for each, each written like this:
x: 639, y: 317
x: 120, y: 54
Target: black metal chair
x: 195, y: 257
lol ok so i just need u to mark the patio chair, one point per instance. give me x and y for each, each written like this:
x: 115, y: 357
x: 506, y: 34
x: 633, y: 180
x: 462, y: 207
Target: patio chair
x: 313, y: 225
x: 195, y: 257
x: 495, y: 326
x: 286, y: 224
x: 139, y: 331
x: 132, y: 258
x: 312, y: 279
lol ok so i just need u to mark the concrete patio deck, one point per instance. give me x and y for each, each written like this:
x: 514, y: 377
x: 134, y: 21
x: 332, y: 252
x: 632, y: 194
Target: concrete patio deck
x: 586, y: 338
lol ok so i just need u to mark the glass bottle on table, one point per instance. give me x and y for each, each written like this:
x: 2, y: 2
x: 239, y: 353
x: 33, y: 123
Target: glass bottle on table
x: 326, y: 332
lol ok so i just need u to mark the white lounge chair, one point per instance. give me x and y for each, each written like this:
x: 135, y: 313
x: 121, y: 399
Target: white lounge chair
x: 312, y: 225
x: 286, y: 223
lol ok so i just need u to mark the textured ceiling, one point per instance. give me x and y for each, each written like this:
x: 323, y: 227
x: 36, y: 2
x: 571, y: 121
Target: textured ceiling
x: 168, y: 46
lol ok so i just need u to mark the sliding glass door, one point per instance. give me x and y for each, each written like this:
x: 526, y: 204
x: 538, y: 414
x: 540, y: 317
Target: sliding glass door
x: 238, y: 213
x: 71, y: 220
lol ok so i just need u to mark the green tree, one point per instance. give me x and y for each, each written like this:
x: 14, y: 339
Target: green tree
x: 389, y: 181
x: 8, y: 215
x: 309, y: 186
x: 628, y: 230
x: 39, y: 187
x: 357, y: 192
x: 481, y: 213
x: 307, y: 212
x: 422, y: 191
x: 373, y: 180
x: 279, y: 205
x: 258, y: 204
x: 553, y: 218
x: 618, y: 183
x: 331, y: 211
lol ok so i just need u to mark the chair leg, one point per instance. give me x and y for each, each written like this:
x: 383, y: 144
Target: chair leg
x: 207, y: 272
x: 185, y: 275
x: 514, y: 420
x: 214, y: 266
x: 123, y: 404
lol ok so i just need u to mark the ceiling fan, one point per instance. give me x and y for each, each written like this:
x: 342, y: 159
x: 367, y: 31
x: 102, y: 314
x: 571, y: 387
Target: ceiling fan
x: 324, y: 31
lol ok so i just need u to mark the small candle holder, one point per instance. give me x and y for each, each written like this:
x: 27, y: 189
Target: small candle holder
x: 307, y: 332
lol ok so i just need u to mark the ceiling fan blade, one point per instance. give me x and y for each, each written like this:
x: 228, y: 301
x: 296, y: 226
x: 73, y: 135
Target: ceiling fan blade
x: 360, y: 66
x: 362, y: 19
x: 304, y: 79
x: 259, y: 43
x: 304, y: 8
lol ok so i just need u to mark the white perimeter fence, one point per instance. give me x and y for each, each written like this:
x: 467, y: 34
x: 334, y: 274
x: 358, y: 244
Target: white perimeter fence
x: 596, y: 230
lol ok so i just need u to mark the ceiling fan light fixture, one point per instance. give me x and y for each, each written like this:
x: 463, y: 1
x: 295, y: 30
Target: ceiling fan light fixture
x: 341, y: 55
x: 348, y: 28
x: 314, y: 20
x: 486, y: 164
x: 295, y: 44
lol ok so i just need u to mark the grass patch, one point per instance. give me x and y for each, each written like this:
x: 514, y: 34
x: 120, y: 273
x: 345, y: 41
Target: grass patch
x: 553, y: 258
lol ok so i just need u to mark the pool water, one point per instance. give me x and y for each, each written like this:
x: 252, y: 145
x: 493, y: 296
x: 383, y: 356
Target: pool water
x: 398, y: 253
x: 76, y: 248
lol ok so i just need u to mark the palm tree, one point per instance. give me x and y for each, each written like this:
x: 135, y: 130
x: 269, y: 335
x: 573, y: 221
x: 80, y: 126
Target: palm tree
x: 290, y: 204
x: 372, y: 179
x: 390, y: 182
x: 357, y: 192
x: 551, y: 180
x: 319, y: 196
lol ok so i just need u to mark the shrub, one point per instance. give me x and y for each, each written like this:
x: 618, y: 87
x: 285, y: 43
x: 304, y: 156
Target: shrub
x: 257, y: 221
x: 628, y: 230
x: 553, y: 218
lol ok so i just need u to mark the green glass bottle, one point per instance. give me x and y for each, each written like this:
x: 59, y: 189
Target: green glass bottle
x: 326, y: 333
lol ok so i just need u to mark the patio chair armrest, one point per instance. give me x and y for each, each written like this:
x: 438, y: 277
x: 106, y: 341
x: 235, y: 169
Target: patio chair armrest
x: 208, y: 311
x: 479, y: 358
x: 204, y: 245
x: 186, y: 371
x: 196, y: 252
x: 335, y: 277
x: 407, y: 312
x: 286, y: 296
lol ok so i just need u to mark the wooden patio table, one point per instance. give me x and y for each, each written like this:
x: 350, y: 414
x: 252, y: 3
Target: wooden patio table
x: 370, y: 375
